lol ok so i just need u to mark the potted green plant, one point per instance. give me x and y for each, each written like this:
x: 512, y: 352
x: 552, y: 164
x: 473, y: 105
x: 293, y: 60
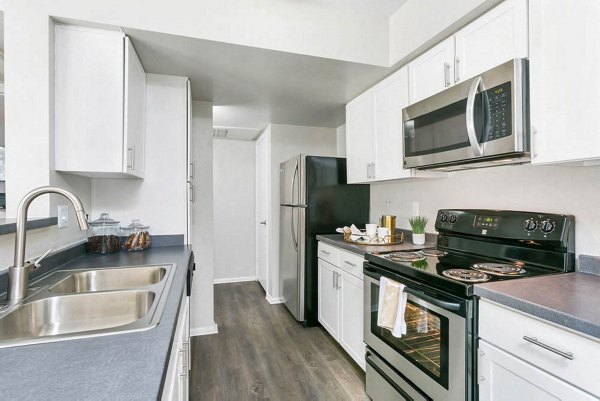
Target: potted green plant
x: 418, y: 223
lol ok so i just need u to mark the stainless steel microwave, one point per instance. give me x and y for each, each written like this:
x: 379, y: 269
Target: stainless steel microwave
x: 481, y: 122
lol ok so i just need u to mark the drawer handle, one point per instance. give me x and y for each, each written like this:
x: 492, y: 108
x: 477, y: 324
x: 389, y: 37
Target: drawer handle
x: 350, y: 263
x: 534, y: 340
x: 325, y: 252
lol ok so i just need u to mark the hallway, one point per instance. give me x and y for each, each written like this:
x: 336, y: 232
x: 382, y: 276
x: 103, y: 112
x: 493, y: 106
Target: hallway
x: 262, y: 353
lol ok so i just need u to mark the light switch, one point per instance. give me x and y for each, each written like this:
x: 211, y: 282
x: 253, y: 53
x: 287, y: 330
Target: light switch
x: 63, y: 216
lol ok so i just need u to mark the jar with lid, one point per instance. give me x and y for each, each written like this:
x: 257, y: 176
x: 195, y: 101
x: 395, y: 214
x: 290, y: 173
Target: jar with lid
x: 103, y: 235
x: 138, y: 236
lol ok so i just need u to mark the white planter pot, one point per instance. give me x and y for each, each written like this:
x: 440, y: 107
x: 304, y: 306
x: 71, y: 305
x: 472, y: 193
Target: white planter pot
x: 418, y: 239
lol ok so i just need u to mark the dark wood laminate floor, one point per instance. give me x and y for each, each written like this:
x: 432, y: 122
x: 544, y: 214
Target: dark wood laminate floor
x: 262, y: 353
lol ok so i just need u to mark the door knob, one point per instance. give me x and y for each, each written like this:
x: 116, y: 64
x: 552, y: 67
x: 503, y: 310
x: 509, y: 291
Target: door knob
x: 264, y: 222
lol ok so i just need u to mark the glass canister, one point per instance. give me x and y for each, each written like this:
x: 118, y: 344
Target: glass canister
x: 103, y: 235
x: 138, y: 236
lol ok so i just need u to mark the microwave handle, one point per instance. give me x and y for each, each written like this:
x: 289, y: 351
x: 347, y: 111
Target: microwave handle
x: 475, y: 146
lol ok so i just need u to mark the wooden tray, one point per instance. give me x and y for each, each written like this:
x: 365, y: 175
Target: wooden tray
x: 398, y: 238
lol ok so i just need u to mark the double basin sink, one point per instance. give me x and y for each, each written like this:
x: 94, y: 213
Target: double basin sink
x: 69, y: 304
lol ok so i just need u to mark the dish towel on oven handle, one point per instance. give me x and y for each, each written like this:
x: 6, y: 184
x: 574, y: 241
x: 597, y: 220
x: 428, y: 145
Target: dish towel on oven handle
x: 391, y: 306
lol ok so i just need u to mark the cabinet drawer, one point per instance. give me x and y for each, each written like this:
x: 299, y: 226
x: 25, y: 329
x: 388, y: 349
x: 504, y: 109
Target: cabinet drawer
x: 352, y: 263
x: 507, y: 328
x: 329, y: 253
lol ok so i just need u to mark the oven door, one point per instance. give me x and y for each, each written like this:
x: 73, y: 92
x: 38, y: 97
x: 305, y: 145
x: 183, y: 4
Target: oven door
x: 433, y: 353
x: 481, y: 118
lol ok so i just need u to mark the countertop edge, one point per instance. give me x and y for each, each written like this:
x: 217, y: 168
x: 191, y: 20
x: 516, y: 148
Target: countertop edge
x: 581, y: 326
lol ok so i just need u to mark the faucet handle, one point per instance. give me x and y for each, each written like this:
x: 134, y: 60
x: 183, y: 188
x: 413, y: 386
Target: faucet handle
x: 34, y: 264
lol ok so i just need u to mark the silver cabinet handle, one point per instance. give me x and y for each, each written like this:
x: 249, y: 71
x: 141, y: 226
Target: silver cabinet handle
x: 325, y: 252
x: 337, y: 284
x: 456, y: 69
x: 350, y: 263
x: 368, y: 170
x: 192, y: 192
x: 475, y: 146
x: 447, y: 82
x: 333, y: 279
x: 192, y: 172
x: 130, y: 158
x: 534, y: 340
x: 133, y: 160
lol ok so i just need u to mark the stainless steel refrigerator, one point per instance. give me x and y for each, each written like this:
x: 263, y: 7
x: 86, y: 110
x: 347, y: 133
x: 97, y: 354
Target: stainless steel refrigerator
x: 314, y: 199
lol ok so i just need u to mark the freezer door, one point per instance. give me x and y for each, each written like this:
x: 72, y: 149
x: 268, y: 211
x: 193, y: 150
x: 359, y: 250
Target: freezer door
x: 291, y: 260
x: 292, y: 188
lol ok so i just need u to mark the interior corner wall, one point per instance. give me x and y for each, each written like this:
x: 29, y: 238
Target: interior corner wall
x: 160, y: 199
x: 288, y: 141
x: 234, y: 209
x: 202, y: 303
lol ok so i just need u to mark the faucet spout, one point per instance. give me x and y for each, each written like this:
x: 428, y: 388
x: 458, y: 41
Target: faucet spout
x: 18, y: 274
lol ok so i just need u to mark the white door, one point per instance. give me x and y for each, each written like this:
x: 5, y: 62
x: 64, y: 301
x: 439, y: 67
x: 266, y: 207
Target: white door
x: 431, y: 72
x: 351, y: 317
x: 494, y: 38
x: 504, y: 377
x: 262, y: 210
x: 359, y: 138
x: 389, y: 98
x: 328, y: 297
x: 135, y: 113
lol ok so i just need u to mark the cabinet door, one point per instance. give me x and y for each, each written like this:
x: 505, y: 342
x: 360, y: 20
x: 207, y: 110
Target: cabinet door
x: 184, y: 354
x: 351, y: 317
x: 88, y: 100
x: 504, y: 377
x: 135, y: 113
x: 494, y: 38
x: 359, y: 138
x: 328, y: 298
x: 389, y: 98
x: 432, y: 71
x: 564, y: 80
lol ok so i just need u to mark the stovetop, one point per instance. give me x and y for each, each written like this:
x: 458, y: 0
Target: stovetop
x: 446, y: 270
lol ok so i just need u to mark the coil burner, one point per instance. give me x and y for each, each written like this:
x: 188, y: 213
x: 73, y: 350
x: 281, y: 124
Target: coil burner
x: 405, y: 256
x: 433, y: 252
x: 466, y: 276
x: 500, y: 269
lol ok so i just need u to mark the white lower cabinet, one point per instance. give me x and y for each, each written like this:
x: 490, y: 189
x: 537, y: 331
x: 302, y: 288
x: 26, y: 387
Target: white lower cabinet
x: 177, y: 378
x: 521, y: 357
x: 340, y: 293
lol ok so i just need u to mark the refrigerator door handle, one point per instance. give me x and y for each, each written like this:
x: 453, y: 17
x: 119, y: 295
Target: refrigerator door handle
x: 294, y: 239
x: 294, y: 183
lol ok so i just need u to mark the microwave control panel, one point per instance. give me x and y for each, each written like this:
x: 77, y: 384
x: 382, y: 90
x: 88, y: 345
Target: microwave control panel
x: 500, y: 111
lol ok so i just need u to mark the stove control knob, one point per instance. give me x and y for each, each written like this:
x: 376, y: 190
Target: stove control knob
x: 444, y: 218
x: 548, y: 226
x: 453, y: 219
x: 530, y: 224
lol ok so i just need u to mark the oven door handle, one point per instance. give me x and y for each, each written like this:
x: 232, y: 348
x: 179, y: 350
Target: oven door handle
x: 450, y: 306
x: 475, y: 146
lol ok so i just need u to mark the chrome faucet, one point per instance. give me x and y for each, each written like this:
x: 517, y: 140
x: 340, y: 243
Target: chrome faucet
x: 18, y: 275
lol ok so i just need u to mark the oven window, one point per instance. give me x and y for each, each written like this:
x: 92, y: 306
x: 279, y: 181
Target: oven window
x: 425, y: 343
x: 443, y: 129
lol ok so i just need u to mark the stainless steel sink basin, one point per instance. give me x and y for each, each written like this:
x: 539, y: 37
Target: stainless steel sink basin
x: 69, y: 304
x: 75, y: 314
x: 110, y: 279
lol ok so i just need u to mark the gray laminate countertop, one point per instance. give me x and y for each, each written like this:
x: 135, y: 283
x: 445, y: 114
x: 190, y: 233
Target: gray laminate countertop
x: 570, y: 300
x: 127, y: 366
x: 338, y: 241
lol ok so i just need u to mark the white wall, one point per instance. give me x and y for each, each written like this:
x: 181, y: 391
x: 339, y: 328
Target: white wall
x: 288, y: 141
x: 340, y: 141
x: 552, y: 189
x: 160, y: 199
x: 234, y: 210
x: 202, y: 310
x: 419, y: 24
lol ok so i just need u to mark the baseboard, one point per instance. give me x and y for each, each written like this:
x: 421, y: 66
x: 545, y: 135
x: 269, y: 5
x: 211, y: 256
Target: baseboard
x: 274, y: 300
x: 203, y: 331
x: 233, y: 280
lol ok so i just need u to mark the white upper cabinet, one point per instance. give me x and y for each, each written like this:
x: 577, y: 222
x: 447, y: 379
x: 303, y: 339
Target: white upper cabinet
x: 359, y: 138
x: 431, y: 72
x: 99, y: 103
x: 564, y: 81
x: 494, y: 38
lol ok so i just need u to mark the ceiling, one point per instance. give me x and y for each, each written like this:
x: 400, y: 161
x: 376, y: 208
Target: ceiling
x: 252, y: 87
x: 372, y: 7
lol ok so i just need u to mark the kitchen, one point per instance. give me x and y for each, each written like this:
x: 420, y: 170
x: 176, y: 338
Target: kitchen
x: 338, y: 55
